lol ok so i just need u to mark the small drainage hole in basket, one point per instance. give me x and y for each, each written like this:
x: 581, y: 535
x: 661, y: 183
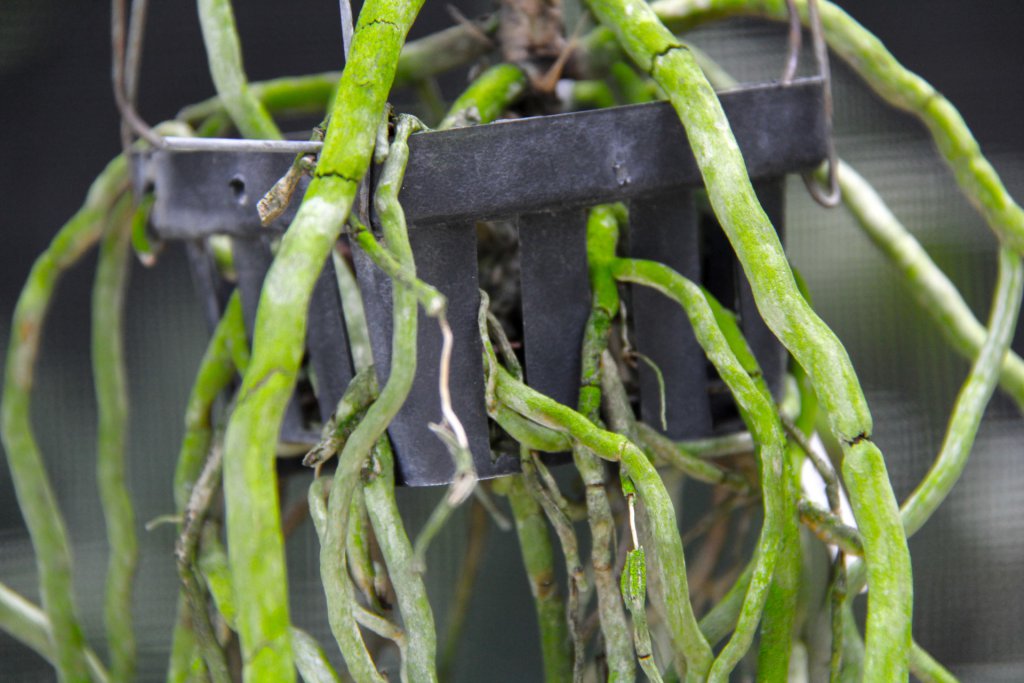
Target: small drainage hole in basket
x: 237, y: 185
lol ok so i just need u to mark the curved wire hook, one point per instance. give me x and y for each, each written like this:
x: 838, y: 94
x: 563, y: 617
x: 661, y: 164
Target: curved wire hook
x: 125, y: 70
x: 828, y: 196
x: 795, y: 38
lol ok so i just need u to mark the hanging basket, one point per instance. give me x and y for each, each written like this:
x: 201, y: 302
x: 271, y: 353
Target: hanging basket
x: 543, y: 173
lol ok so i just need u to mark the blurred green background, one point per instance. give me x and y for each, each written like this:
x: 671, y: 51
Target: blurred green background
x: 59, y: 128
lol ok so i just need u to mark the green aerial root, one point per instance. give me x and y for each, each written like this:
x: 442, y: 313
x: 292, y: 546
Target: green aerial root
x: 487, y: 97
x: 224, y: 55
x: 255, y: 543
x: 420, y: 60
x: 720, y: 338
x: 763, y: 423
x: 534, y: 406
x: 112, y: 413
x: 602, y: 230
x: 36, y: 498
x: 927, y: 283
x: 538, y: 560
x: 968, y: 410
x: 418, y: 661
x: 901, y: 88
x: 27, y: 624
x: 227, y: 350
x: 789, y: 317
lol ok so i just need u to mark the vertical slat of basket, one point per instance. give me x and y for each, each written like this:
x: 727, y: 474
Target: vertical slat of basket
x: 664, y: 228
x: 327, y: 342
x: 446, y: 258
x: 556, y: 299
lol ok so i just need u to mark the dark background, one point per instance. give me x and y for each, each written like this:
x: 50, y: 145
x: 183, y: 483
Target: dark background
x: 59, y: 128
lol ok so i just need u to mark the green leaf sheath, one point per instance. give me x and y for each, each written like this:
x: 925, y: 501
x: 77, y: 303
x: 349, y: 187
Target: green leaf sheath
x: 27, y: 624
x: 253, y: 517
x: 762, y: 422
x: 224, y: 55
x: 420, y: 653
x: 487, y: 97
x: 538, y: 560
x: 929, y: 286
x: 901, y: 88
x: 633, y: 586
x: 112, y: 412
x: 789, y: 317
x: 36, y: 498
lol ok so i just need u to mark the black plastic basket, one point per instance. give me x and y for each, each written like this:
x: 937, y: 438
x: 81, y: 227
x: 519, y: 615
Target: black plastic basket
x: 542, y: 173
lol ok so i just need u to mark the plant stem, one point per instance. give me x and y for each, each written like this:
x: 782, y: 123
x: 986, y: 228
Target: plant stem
x: 112, y: 412
x: 224, y: 55
x: 255, y: 544
x: 36, y: 498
